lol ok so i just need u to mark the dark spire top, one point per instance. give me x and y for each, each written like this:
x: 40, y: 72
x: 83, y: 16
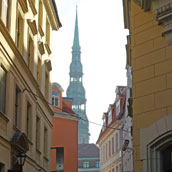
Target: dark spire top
x: 76, y: 34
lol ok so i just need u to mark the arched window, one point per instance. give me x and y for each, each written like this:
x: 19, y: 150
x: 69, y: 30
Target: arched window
x: 160, y: 154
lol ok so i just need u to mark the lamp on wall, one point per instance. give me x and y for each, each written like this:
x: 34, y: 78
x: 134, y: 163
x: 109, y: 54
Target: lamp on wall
x: 21, y: 160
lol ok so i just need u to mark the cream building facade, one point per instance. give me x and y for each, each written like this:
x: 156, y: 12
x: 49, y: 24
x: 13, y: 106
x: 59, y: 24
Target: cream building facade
x: 25, y: 82
x: 110, y: 139
x: 149, y: 54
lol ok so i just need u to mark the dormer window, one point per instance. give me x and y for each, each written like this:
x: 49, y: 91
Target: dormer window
x: 104, y: 124
x: 55, y: 99
x: 117, y: 107
x: 110, y: 116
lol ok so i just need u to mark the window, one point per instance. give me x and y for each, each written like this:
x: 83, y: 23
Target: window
x: 103, y: 153
x: 60, y: 159
x: 2, y: 167
x: 46, y: 85
x: 112, y: 145
x: 104, y: 124
x: 28, y: 120
x: 117, y: 141
x: 109, y: 116
x: 117, y: 107
x: 106, y: 151
x: 2, y: 89
x: 39, y: 71
x: 97, y: 164
x: 45, y: 141
x: 30, y: 54
x: 19, y: 32
x: 109, y: 148
x: 86, y: 164
x: 55, y: 99
x: 116, y: 168
x: 120, y: 167
x: 37, y: 132
x: 17, y: 107
x: 4, y: 11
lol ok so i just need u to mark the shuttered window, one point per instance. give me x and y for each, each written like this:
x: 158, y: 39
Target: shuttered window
x: 2, y: 89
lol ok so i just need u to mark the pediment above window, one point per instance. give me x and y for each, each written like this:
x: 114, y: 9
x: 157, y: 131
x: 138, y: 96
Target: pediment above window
x: 32, y: 25
x: 41, y: 47
x: 48, y: 64
x: 164, y: 16
x: 19, y: 142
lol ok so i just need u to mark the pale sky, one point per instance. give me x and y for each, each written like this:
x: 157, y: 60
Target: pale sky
x: 103, y: 55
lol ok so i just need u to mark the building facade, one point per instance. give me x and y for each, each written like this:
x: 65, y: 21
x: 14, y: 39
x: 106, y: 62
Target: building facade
x: 64, y: 133
x: 88, y: 158
x: 76, y: 89
x: 149, y: 54
x: 127, y: 126
x: 25, y: 72
x: 110, y: 140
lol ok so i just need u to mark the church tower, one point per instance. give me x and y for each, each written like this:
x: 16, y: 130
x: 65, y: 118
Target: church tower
x: 76, y: 89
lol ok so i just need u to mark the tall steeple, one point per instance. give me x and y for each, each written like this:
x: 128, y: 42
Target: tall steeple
x: 76, y: 34
x: 76, y: 89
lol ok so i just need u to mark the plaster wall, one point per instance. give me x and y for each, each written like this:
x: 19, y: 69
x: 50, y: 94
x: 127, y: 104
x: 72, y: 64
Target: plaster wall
x: 152, y: 75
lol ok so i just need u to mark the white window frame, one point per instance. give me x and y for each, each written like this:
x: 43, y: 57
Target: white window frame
x: 109, y: 116
x: 55, y: 100
x: 86, y: 164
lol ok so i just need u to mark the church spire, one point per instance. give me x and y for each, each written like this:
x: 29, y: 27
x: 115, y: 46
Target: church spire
x: 76, y: 45
x: 76, y: 89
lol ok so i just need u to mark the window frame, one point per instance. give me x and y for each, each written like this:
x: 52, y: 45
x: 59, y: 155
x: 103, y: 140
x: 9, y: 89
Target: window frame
x: 29, y: 120
x: 17, y: 106
x: 86, y: 164
x: 3, y: 111
x: 38, y: 136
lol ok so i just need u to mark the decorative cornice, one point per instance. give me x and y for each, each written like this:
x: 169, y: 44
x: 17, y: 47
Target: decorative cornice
x: 67, y: 116
x: 52, y: 13
x: 32, y: 25
x: 164, y: 12
x: 23, y: 4
x: 164, y: 16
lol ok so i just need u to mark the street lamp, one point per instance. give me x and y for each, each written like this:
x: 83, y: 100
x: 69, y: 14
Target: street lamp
x: 21, y: 160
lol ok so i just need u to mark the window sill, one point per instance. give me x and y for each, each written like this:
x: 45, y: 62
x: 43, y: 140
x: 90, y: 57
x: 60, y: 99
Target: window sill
x: 4, y: 117
x: 30, y: 142
x: 38, y: 151
x: 45, y: 157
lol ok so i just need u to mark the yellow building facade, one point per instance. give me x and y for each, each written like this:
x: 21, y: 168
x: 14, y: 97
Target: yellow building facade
x: 25, y: 82
x: 149, y: 53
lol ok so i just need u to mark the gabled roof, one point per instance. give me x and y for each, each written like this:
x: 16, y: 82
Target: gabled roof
x: 122, y: 98
x: 88, y: 151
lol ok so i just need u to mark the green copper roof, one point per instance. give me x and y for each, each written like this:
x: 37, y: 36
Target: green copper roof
x: 76, y: 89
x: 76, y: 45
